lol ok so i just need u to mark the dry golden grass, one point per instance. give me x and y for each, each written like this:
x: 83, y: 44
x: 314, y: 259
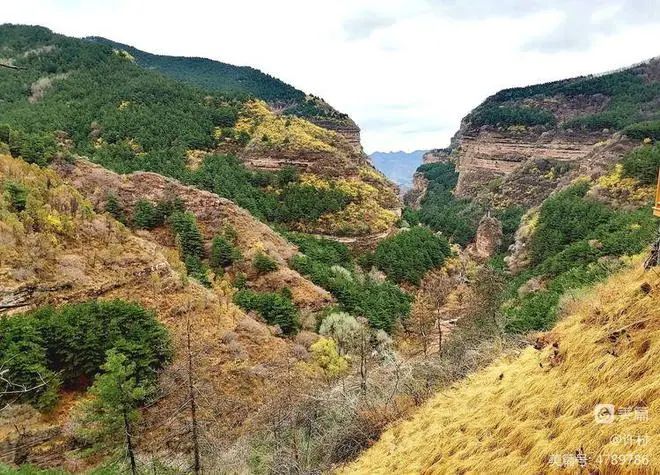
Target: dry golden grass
x: 515, y: 415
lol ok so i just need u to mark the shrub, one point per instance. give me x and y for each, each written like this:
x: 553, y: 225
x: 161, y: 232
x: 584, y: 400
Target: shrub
x: 408, y: 255
x: 643, y: 163
x: 17, y: 195
x: 322, y: 250
x: 382, y: 303
x: 113, y: 208
x: 223, y: 254
x: 264, y: 263
x: 275, y: 308
x: 145, y: 215
x: 643, y: 130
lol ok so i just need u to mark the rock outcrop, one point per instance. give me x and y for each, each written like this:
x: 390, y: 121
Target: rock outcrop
x: 488, y: 155
x: 347, y: 128
x: 488, y: 239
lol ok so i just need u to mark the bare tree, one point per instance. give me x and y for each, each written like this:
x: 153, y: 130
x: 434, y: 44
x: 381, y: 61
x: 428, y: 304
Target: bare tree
x: 197, y: 466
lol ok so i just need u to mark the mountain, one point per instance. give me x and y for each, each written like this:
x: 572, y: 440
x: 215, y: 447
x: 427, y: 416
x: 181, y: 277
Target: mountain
x: 195, y: 277
x: 93, y: 99
x: 398, y: 166
x: 243, y: 81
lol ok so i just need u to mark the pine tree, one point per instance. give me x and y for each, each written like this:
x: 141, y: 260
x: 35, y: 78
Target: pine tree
x: 145, y: 215
x: 223, y: 254
x: 111, y: 415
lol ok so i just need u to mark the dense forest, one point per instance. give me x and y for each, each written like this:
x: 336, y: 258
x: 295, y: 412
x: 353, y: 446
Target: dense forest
x: 236, y: 81
x: 630, y: 99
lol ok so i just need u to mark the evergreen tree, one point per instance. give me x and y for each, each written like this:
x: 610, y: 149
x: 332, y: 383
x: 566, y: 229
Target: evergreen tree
x: 113, y: 207
x: 145, y: 215
x: 223, y: 253
x: 109, y: 418
x: 185, y: 228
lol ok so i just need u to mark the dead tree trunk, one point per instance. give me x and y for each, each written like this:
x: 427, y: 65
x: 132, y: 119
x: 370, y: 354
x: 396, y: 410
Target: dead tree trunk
x: 129, y: 442
x: 197, y: 466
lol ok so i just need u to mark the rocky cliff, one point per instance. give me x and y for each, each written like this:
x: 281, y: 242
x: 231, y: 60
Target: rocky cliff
x: 522, y: 143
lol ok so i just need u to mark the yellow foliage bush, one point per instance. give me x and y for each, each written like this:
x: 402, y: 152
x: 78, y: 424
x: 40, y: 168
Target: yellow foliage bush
x: 326, y: 355
x: 622, y: 189
x: 268, y: 129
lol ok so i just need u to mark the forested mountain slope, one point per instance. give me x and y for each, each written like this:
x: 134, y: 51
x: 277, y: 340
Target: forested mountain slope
x: 80, y: 97
x: 243, y: 81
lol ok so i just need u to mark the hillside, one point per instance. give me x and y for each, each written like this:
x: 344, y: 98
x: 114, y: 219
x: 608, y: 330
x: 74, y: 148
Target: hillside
x: 243, y: 81
x: 522, y: 143
x: 522, y: 412
x: 57, y: 250
x: 90, y: 99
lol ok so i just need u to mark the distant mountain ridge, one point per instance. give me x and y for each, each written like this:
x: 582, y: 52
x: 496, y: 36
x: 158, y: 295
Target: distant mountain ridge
x: 229, y: 79
x: 398, y: 166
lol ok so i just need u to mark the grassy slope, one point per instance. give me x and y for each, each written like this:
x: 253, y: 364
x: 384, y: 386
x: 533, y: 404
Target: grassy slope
x: 512, y: 416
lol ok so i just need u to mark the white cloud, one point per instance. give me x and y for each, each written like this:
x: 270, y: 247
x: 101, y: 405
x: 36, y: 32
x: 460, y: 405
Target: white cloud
x: 406, y: 71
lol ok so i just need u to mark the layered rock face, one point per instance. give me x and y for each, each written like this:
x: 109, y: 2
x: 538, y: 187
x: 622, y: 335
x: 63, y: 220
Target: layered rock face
x: 490, y: 154
x: 436, y: 155
x: 523, y: 143
x: 347, y: 128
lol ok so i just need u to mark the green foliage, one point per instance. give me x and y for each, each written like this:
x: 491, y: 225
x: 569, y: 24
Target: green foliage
x: 643, y: 163
x: 212, y: 75
x: 574, y: 245
x: 307, y: 203
x: 631, y: 100
x: 505, y: 116
x: 145, y: 215
x: 410, y: 216
x: 382, y: 303
x: 275, y: 308
x: 564, y: 218
x: 263, y: 263
x: 510, y: 218
x: 184, y: 226
x: 441, y: 211
x: 113, y: 208
x: 223, y: 254
x: 33, y: 147
x: 408, y: 255
x: 24, y: 364
x: 113, y: 408
x: 321, y: 250
x: 17, y: 195
x: 71, y: 341
x: 642, y: 130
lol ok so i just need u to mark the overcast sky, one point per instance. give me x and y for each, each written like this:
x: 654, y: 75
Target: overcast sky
x: 406, y: 70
